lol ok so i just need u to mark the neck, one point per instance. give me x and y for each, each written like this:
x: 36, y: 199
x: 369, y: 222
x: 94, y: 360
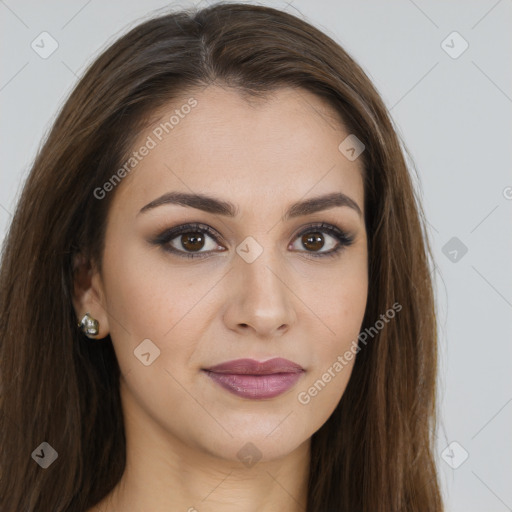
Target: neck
x: 165, y: 474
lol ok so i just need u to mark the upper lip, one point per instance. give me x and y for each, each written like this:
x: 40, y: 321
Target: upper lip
x: 253, y: 367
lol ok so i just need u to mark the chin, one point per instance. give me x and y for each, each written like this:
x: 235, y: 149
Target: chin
x: 253, y: 442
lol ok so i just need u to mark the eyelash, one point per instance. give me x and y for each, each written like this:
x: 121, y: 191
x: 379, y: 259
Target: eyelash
x: 167, y: 236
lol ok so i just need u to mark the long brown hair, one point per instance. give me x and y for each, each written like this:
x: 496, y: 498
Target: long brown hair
x: 375, y: 452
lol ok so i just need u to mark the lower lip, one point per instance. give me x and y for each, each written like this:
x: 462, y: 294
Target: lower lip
x: 256, y: 386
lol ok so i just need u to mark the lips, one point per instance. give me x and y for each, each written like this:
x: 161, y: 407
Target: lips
x: 252, y: 379
x: 253, y: 367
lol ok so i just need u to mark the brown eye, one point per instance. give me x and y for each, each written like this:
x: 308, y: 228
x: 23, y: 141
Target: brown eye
x: 189, y: 240
x: 313, y: 241
x: 192, y: 241
x: 322, y: 240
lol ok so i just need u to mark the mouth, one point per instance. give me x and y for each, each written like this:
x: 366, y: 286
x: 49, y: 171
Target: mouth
x: 248, y: 378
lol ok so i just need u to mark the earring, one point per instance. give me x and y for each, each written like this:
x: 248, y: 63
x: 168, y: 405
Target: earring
x: 89, y: 326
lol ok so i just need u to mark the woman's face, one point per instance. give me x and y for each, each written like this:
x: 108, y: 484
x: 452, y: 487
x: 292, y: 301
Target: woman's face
x: 264, y: 283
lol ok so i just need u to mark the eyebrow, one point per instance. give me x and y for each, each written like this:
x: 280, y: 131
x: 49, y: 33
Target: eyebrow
x: 219, y: 207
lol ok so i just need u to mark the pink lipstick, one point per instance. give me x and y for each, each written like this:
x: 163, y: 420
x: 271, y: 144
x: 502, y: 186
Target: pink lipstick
x: 248, y: 378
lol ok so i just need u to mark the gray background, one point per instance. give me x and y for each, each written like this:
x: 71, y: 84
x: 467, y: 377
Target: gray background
x: 454, y: 115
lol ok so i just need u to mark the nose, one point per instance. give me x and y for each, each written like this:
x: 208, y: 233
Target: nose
x: 260, y: 303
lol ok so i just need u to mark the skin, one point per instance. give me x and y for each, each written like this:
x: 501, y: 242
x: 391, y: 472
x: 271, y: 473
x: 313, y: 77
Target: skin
x: 183, y: 430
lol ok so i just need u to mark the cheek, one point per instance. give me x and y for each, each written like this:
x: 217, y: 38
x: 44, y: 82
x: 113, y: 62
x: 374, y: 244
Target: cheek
x: 142, y: 291
x: 334, y: 358
x: 172, y: 306
x: 338, y: 297
x: 346, y: 323
x: 342, y: 304
x: 147, y: 301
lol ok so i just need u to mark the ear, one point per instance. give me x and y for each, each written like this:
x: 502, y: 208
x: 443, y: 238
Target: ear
x: 88, y: 294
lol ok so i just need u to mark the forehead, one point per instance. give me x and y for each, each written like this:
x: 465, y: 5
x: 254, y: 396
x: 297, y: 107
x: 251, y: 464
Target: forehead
x: 248, y: 150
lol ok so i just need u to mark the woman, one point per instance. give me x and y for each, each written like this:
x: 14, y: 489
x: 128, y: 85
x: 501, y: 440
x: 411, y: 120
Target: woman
x: 215, y: 291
